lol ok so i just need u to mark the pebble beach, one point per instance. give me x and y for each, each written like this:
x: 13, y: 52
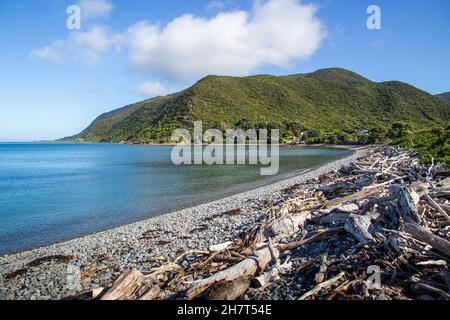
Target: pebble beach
x: 45, y: 273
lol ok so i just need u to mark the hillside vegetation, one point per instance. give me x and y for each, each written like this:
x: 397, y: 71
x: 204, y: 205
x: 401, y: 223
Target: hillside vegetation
x: 328, y: 105
x: 431, y: 144
x: 444, y: 96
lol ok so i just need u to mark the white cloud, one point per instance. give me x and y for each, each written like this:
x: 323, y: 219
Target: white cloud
x: 91, y: 9
x: 84, y: 47
x: 51, y: 52
x: 89, y: 47
x: 275, y: 32
x: 151, y: 89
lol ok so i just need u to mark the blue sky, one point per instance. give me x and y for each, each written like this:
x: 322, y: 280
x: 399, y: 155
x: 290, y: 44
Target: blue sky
x: 55, y: 81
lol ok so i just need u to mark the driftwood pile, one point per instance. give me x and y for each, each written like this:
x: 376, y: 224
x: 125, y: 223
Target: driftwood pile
x: 376, y: 229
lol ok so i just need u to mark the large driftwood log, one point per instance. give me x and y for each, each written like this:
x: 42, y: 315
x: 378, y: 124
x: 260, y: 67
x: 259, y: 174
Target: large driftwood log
x: 229, y: 290
x: 125, y: 286
x: 359, y: 226
x: 246, y: 268
x: 422, y: 234
x: 407, y: 203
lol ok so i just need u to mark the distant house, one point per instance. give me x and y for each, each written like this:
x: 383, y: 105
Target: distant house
x: 363, y: 133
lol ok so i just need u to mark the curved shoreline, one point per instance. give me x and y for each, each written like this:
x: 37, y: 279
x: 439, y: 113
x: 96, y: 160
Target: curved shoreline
x: 136, y: 244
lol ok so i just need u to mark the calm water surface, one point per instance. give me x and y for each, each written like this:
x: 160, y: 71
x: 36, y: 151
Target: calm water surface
x: 52, y: 192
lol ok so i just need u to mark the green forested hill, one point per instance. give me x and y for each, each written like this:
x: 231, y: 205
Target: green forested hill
x: 323, y: 101
x: 444, y: 96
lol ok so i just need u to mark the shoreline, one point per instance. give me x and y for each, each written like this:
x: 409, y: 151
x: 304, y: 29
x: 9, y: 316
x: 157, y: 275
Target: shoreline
x: 313, y: 145
x: 226, y: 194
x: 144, y: 244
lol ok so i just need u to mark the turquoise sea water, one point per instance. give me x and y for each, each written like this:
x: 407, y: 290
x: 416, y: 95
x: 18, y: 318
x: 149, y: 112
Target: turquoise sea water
x: 51, y: 192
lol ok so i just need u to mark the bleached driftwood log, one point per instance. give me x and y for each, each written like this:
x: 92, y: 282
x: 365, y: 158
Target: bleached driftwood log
x: 422, y: 234
x: 359, y: 226
x: 125, y: 286
x: 407, y: 203
x: 246, y: 268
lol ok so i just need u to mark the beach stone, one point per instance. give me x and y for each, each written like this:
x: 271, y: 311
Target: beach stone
x: 125, y: 248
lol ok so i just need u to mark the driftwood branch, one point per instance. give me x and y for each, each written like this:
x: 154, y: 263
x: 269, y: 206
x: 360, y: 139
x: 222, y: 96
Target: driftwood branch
x: 318, y: 236
x: 322, y: 285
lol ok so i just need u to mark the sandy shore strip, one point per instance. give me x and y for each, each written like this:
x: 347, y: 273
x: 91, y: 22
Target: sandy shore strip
x: 48, y: 272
